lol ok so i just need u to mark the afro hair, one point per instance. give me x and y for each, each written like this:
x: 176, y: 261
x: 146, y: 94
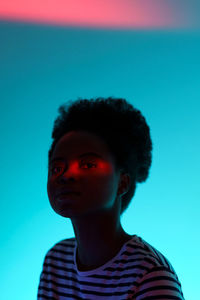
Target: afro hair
x: 120, y: 125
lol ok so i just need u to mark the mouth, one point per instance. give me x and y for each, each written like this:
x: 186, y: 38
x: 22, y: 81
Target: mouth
x: 67, y: 194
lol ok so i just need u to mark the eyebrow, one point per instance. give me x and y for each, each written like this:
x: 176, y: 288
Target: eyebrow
x: 82, y: 155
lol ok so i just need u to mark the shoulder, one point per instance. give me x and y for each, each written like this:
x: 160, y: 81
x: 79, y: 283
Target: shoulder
x: 150, y: 256
x: 157, y: 276
x: 62, y: 248
x: 70, y: 242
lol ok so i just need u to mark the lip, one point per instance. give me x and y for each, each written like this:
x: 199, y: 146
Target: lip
x: 67, y: 192
x: 66, y: 196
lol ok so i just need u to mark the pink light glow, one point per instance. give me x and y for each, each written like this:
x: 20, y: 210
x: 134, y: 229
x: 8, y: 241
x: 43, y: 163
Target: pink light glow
x: 96, y: 13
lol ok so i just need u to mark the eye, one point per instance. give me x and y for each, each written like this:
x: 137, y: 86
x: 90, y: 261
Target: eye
x: 57, y: 169
x: 52, y: 169
x: 89, y: 164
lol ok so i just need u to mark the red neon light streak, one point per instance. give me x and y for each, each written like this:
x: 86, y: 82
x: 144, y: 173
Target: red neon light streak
x: 95, y: 13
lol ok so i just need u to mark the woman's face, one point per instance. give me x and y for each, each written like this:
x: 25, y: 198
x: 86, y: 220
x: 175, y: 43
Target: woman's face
x: 92, y: 176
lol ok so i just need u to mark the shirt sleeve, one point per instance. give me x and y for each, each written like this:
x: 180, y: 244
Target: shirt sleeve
x: 159, y: 283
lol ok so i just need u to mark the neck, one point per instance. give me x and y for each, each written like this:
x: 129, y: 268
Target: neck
x: 99, y: 239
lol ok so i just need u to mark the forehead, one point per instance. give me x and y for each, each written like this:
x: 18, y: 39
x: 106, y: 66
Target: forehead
x: 75, y: 143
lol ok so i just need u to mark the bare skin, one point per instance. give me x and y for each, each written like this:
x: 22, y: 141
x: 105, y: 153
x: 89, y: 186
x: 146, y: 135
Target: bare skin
x: 95, y: 211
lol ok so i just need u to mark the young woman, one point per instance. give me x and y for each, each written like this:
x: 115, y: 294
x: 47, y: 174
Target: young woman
x: 102, y: 148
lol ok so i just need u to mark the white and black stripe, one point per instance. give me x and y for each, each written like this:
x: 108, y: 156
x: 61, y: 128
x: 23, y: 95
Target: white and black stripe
x: 138, y: 271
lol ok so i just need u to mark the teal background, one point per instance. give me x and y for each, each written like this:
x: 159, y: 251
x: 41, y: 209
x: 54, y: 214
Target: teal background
x: 159, y: 73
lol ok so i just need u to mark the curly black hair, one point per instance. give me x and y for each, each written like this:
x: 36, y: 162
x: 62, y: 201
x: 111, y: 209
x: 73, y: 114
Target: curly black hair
x: 120, y: 125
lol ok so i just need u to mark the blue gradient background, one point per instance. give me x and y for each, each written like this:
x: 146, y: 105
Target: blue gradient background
x: 159, y: 73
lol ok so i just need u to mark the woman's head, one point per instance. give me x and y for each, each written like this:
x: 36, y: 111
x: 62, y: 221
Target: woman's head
x: 117, y: 123
x: 83, y: 164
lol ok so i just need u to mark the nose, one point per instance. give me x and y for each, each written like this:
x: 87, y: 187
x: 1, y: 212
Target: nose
x: 64, y: 179
x: 67, y: 174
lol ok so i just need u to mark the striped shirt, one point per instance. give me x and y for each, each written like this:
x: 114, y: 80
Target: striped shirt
x: 138, y: 272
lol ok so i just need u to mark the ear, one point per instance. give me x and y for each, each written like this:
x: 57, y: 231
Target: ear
x: 124, y: 184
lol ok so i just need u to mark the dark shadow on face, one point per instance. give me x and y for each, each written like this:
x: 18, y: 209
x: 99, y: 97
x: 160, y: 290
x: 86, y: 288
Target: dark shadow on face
x: 93, y: 177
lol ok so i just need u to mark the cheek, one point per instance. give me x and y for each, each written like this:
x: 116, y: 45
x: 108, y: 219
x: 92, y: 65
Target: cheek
x: 48, y: 188
x: 50, y: 191
x: 101, y: 189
